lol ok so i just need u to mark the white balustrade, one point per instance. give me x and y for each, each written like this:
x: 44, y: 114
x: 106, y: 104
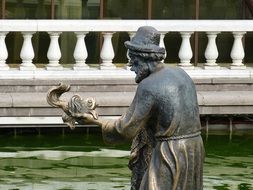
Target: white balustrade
x: 107, y: 28
x: 27, y: 52
x: 211, y: 53
x: 54, y: 52
x: 237, y: 53
x: 185, y: 51
x: 80, y: 52
x: 161, y: 44
x: 3, y: 52
x: 107, y: 52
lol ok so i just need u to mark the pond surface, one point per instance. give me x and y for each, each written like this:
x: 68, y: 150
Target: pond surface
x: 81, y: 161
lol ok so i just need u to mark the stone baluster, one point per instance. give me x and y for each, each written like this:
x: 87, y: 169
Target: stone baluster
x: 80, y: 52
x: 131, y: 35
x: 185, y: 51
x: 237, y: 52
x: 27, y: 52
x: 162, y: 44
x: 3, y: 52
x: 211, y: 53
x: 107, y: 52
x: 54, y: 52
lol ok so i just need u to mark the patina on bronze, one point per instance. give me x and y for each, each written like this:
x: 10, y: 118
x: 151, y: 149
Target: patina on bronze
x: 76, y: 105
x: 162, y: 121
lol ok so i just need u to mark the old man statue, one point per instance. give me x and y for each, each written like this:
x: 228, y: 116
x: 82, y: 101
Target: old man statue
x: 162, y: 121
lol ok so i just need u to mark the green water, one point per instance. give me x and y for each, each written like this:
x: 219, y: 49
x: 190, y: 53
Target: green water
x: 81, y: 161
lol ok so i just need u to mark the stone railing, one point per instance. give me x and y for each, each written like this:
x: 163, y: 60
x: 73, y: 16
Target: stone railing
x: 186, y: 28
x: 23, y: 101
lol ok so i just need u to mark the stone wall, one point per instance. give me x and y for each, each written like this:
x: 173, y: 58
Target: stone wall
x: 226, y: 105
x: 28, y: 97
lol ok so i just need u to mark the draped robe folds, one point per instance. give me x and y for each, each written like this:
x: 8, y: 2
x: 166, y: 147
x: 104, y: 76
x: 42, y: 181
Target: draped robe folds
x: 162, y: 122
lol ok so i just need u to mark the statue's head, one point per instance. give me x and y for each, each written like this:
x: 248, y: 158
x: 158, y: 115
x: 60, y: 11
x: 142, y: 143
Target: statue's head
x: 144, y: 52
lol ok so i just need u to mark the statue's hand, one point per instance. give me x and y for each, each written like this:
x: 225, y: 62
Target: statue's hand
x: 83, y: 110
x: 84, y: 117
x: 76, y: 110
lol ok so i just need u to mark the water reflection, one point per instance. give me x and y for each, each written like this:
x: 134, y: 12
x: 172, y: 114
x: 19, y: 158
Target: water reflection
x: 77, y: 162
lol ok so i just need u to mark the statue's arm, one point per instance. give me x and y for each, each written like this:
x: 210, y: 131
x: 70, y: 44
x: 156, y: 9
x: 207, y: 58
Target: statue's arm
x: 89, y: 119
x: 126, y: 127
x: 135, y: 118
x: 113, y: 130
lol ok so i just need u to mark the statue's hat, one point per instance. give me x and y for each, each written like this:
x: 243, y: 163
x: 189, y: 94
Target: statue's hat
x: 146, y: 39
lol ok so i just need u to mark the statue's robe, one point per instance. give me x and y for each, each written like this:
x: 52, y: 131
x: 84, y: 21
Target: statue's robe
x: 163, y: 121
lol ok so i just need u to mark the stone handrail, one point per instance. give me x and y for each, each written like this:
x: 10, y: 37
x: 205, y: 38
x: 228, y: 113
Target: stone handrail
x: 81, y: 27
x: 125, y: 25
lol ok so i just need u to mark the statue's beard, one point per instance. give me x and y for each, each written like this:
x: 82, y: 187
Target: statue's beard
x: 141, y: 74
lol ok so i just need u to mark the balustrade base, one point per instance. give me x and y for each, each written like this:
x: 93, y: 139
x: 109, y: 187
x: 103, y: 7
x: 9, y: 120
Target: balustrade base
x: 51, y: 68
x: 190, y: 67
x: 119, y: 73
x: 81, y: 67
x: 102, y: 67
x: 4, y: 68
x: 27, y: 68
x: 216, y: 67
x: 239, y: 67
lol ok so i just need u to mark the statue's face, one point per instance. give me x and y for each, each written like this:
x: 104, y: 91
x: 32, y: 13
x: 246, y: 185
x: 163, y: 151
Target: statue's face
x: 139, y: 66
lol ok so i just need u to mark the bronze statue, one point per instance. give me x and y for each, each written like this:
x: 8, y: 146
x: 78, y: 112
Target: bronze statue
x: 162, y: 121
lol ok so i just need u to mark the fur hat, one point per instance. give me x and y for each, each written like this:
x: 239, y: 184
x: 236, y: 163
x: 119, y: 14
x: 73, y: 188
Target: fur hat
x: 147, y: 40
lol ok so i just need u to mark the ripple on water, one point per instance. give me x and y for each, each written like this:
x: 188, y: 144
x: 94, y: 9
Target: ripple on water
x: 71, y: 166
